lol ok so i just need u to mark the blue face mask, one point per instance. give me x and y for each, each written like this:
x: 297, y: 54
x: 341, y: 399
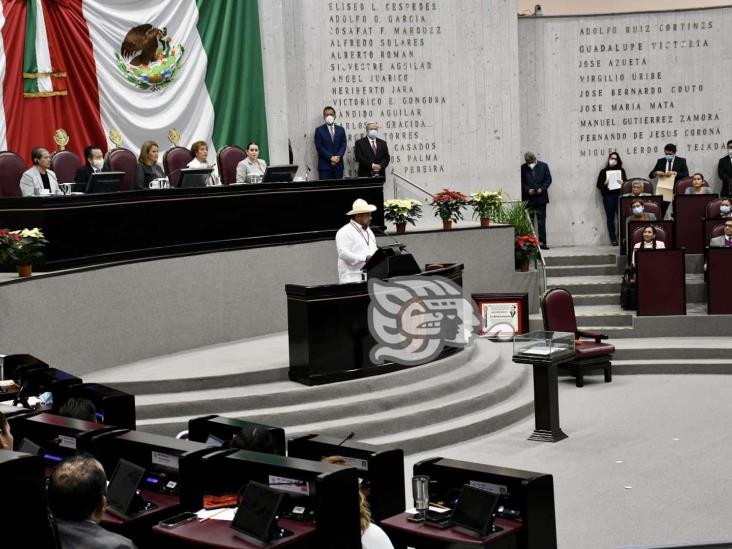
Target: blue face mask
x: 637, y: 210
x: 373, y: 134
x: 724, y: 209
x: 669, y: 157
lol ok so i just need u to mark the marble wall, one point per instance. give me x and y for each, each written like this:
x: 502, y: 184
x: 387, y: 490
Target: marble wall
x: 628, y: 83
x: 441, y: 79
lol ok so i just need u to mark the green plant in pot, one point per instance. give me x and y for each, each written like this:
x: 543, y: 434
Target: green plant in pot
x: 22, y: 248
x: 402, y: 211
x: 486, y: 205
x: 526, y: 244
x: 449, y: 206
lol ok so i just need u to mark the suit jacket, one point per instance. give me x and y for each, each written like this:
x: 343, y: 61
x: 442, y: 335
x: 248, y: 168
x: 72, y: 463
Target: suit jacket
x: 86, y: 534
x: 724, y: 171
x: 679, y: 166
x: 82, y: 176
x: 602, y: 179
x: 717, y: 242
x: 31, y: 180
x: 365, y: 156
x: 328, y: 147
x: 538, y: 178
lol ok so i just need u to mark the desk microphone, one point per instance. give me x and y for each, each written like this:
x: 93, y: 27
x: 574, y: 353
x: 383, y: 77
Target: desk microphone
x: 384, y: 233
x: 349, y: 436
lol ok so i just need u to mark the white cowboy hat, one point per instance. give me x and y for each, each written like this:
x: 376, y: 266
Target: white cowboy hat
x: 360, y: 206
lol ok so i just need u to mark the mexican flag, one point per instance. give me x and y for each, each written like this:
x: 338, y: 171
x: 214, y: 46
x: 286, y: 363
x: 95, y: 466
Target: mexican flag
x: 135, y: 66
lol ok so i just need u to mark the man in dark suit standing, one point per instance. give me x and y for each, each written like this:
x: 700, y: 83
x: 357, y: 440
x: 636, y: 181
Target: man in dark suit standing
x: 94, y: 163
x: 669, y: 163
x: 724, y: 170
x: 535, y: 181
x: 372, y: 153
x: 330, y: 142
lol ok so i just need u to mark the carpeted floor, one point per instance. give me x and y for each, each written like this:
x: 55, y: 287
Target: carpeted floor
x: 647, y: 460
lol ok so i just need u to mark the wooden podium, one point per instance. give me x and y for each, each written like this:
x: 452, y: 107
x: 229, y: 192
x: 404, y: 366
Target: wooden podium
x: 329, y: 337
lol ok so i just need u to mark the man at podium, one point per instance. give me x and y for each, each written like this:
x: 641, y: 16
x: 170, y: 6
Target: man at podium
x: 355, y: 243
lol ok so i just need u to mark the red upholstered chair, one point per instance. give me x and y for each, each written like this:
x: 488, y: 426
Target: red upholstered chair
x: 660, y: 235
x: 11, y: 168
x: 123, y: 160
x: 713, y: 208
x: 65, y: 164
x: 652, y: 207
x: 228, y: 159
x: 685, y: 183
x: 557, y: 309
x: 174, y: 160
x: 627, y: 186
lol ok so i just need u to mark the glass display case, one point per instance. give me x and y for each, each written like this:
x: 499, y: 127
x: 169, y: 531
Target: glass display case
x: 541, y: 346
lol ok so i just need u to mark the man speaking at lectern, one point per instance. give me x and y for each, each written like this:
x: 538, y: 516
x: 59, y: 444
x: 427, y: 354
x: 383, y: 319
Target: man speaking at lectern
x: 355, y: 243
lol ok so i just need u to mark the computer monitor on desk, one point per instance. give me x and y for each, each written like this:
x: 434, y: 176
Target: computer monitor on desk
x: 381, y: 469
x: 104, y: 182
x: 218, y: 431
x: 327, y: 494
x: 194, y: 177
x: 279, y: 174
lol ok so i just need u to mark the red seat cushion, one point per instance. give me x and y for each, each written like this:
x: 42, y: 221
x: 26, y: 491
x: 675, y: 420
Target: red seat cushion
x: 590, y: 349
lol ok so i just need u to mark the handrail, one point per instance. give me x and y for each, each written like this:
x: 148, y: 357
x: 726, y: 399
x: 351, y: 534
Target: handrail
x: 410, y: 183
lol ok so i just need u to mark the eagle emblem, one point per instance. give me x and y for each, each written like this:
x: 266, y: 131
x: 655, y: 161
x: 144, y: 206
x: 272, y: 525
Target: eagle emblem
x: 147, y: 58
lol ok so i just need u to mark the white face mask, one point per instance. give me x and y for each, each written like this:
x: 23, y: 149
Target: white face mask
x: 330, y: 120
x: 98, y: 164
x: 612, y: 162
x: 532, y: 165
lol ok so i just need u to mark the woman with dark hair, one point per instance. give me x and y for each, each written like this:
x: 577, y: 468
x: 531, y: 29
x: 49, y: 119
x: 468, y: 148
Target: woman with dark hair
x: 147, y: 166
x: 697, y: 185
x: 251, y: 165
x: 610, y: 196
x: 649, y: 241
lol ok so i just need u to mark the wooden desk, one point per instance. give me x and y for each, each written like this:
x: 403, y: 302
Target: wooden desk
x: 416, y: 534
x: 138, y: 526
x: 131, y: 225
x: 219, y: 535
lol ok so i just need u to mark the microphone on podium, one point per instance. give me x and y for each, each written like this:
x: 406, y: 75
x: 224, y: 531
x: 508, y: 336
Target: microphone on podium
x: 349, y: 436
x: 384, y: 233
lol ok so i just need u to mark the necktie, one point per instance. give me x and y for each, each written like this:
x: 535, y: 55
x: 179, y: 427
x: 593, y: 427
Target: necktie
x: 728, y: 242
x: 668, y: 165
x: 332, y: 133
x: 373, y: 147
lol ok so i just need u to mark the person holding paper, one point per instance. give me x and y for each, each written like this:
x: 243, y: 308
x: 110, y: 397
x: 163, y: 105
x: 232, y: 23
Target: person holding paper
x: 668, y: 171
x: 609, y: 182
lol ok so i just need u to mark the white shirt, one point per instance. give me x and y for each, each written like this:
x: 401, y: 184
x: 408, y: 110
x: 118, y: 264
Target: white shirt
x: 375, y: 538
x: 353, y: 244
x: 213, y: 178
x: 659, y: 246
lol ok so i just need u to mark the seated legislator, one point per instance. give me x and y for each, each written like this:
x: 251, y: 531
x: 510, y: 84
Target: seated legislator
x: 372, y: 536
x: 697, y: 185
x: 147, y: 166
x: 77, y: 497
x: 372, y: 153
x: 79, y: 408
x: 6, y: 438
x: 199, y: 150
x: 94, y: 163
x: 251, y: 165
x: 725, y: 240
x: 39, y: 179
x: 725, y: 208
x: 253, y: 439
x: 649, y: 241
x: 638, y: 213
x: 636, y: 189
x: 355, y: 243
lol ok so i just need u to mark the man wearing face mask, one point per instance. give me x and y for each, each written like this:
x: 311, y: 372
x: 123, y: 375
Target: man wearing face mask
x: 724, y: 170
x: 94, y: 163
x: 669, y: 163
x: 535, y: 181
x: 372, y: 153
x: 330, y: 142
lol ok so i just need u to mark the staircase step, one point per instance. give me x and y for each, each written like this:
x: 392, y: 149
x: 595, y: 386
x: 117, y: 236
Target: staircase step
x: 605, y: 319
x: 586, y: 284
x: 582, y: 270
x: 673, y: 366
x: 584, y: 259
x: 596, y: 299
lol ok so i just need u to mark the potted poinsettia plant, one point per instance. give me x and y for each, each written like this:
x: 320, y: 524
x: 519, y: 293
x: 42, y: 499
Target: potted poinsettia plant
x: 449, y: 206
x: 21, y: 248
x: 486, y: 205
x: 526, y: 245
x: 402, y: 211
x: 527, y: 248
